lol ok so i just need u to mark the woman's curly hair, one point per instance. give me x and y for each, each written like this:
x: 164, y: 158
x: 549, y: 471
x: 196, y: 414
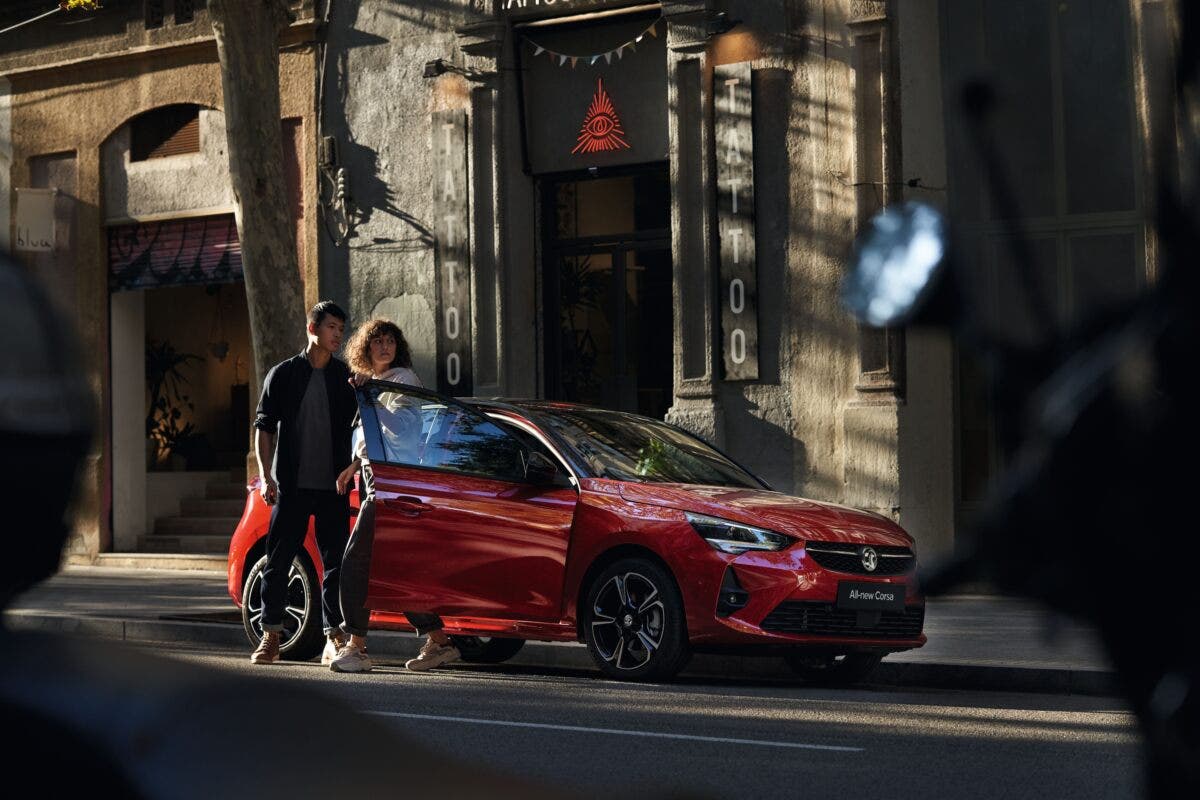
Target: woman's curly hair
x: 358, y: 349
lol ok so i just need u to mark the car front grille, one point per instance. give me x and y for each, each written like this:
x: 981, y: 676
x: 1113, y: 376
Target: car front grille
x: 824, y: 619
x: 848, y: 558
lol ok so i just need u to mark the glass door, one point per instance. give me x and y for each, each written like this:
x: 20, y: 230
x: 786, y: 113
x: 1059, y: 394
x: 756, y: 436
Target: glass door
x: 607, y: 280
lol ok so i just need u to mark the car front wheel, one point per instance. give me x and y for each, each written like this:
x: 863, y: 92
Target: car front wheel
x: 833, y: 670
x: 303, y: 635
x: 633, y: 622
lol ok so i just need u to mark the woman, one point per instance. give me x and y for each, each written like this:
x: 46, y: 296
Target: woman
x: 378, y: 350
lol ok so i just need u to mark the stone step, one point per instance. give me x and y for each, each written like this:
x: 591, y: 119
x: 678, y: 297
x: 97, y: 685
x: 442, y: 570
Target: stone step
x: 204, y: 507
x: 222, y: 490
x: 195, y: 526
x: 191, y: 545
x: 189, y: 561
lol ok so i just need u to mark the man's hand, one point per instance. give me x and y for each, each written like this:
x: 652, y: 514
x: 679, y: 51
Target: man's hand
x: 343, y: 480
x: 269, y: 490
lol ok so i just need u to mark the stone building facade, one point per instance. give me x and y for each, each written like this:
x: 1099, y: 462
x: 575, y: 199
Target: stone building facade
x: 76, y: 95
x: 650, y: 205
x: 854, y: 105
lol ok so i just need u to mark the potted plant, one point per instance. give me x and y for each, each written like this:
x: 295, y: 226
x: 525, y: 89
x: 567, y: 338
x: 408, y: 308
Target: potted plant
x: 165, y: 380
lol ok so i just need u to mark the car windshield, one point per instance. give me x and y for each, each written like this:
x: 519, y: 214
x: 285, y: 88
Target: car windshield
x: 625, y: 447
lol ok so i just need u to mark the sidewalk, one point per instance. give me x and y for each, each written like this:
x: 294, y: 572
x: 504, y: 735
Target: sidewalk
x: 975, y: 642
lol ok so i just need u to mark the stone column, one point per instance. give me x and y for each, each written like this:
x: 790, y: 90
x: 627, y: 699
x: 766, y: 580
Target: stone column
x: 872, y: 417
x: 693, y: 220
x: 482, y: 44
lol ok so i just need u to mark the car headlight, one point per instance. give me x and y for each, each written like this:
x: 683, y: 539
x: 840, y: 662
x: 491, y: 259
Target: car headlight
x: 734, y: 537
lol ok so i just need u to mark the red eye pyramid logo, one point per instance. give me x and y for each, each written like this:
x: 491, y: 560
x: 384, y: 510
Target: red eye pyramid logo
x: 601, y: 127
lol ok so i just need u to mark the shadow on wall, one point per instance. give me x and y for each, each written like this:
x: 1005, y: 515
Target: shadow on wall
x: 369, y: 192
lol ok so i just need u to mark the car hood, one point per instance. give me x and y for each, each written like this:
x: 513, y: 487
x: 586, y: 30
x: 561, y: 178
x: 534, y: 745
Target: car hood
x: 795, y: 516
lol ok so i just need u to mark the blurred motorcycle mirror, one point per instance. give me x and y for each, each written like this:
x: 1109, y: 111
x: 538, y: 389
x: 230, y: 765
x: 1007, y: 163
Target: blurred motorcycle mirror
x: 898, y: 263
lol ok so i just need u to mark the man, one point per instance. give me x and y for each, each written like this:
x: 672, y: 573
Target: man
x: 305, y: 417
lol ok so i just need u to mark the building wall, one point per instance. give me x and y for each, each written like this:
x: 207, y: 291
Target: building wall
x: 803, y: 425
x: 75, y: 105
x: 378, y: 107
x: 191, y: 184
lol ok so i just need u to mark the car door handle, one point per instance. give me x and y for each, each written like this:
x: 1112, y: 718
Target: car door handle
x: 409, y: 506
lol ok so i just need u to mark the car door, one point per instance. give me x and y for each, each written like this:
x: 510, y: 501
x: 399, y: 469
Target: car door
x: 459, y: 530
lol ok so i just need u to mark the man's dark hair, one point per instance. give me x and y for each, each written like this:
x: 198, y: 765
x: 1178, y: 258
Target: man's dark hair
x: 325, y: 308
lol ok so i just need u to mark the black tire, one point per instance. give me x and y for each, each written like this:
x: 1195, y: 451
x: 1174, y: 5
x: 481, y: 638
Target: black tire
x: 828, y: 669
x: 633, y: 622
x: 485, y: 650
x: 303, y: 631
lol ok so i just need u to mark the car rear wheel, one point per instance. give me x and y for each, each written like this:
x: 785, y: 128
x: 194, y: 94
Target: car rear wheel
x: 633, y: 622
x: 486, y: 650
x: 833, y: 669
x: 303, y: 635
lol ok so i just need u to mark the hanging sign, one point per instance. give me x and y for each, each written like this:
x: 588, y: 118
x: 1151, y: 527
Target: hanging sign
x: 35, y: 220
x: 597, y: 114
x: 734, y: 128
x: 453, y: 256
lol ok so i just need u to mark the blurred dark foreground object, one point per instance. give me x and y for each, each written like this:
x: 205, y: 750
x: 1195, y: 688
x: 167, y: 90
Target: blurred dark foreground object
x: 1092, y: 513
x: 119, y: 722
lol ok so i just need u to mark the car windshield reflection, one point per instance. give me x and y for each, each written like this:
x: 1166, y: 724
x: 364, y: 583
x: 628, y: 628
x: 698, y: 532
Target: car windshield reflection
x: 625, y: 447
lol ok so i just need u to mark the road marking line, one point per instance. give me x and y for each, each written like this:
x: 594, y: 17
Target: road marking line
x: 617, y: 732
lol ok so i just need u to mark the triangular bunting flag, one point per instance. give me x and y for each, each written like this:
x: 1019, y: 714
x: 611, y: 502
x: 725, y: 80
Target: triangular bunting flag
x: 539, y: 50
x: 574, y: 61
x: 562, y: 60
x: 608, y: 58
x: 653, y: 30
x: 601, y: 127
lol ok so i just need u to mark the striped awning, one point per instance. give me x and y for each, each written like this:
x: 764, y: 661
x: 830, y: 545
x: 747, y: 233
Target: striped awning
x: 145, y: 255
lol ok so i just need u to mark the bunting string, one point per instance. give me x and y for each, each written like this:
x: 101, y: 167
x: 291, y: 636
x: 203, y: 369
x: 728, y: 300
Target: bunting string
x: 592, y: 59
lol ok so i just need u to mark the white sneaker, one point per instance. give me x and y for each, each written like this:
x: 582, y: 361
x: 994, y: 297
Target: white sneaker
x: 333, y: 643
x: 432, y: 655
x: 351, y: 658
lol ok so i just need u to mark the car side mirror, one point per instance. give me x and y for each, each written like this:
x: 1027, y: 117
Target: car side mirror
x: 542, y: 471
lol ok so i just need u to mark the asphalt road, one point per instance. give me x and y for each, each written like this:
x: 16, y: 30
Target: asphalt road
x: 581, y: 733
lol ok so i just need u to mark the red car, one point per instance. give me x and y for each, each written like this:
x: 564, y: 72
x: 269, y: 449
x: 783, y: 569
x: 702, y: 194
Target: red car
x: 520, y: 520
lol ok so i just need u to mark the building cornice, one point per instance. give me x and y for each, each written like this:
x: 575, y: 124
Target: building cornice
x: 295, y: 35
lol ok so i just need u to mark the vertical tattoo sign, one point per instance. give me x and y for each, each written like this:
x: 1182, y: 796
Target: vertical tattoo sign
x: 453, y: 257
x: 734, y: 129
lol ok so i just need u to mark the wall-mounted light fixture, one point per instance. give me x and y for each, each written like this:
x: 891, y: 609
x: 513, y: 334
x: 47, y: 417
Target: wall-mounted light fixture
x: 718, y: 22
x: 440, y: 66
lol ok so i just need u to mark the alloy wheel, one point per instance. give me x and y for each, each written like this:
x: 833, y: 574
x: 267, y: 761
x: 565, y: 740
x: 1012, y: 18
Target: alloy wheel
x: 628, y: 621
x: 295, y: 611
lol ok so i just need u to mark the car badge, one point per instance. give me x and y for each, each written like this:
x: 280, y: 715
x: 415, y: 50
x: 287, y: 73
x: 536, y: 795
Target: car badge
x: 870, y: 559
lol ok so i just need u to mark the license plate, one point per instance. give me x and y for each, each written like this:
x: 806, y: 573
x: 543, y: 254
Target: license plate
x: 870, y: 596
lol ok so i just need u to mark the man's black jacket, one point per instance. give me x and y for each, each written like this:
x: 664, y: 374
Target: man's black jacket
x: 279, y: 406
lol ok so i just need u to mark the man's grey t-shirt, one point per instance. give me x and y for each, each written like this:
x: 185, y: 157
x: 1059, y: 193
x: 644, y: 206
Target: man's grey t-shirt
x: 314, y: 438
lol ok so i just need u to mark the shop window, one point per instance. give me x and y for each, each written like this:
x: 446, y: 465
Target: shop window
x: 154, y: 14
x: 1065, y: 125
x: 185, y: 11
x: 167, y: 131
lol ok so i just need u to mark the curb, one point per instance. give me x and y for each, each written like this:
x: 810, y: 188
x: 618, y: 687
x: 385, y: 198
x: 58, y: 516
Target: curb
x: 573, y: 656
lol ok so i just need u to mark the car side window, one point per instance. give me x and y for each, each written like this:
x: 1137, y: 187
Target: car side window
x: 411, y: 429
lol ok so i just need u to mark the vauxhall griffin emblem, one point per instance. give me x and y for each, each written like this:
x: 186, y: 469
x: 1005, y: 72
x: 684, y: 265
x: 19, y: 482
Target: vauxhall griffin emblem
x: 601, y: 127
x: 870, y: 559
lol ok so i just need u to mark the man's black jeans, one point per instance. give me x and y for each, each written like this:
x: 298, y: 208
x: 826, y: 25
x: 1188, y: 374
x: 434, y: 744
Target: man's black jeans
x: 285, y: 537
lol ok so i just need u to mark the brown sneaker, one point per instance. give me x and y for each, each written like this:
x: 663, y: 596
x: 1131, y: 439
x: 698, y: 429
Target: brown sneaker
x: 336, y: 641
x: 268, y: 649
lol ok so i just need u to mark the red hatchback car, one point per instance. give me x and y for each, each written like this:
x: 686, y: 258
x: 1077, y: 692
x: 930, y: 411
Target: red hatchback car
x: 520, y: 520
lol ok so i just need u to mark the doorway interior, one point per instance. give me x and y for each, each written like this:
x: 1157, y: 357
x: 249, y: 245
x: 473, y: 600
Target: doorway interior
x: 607, y: 280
